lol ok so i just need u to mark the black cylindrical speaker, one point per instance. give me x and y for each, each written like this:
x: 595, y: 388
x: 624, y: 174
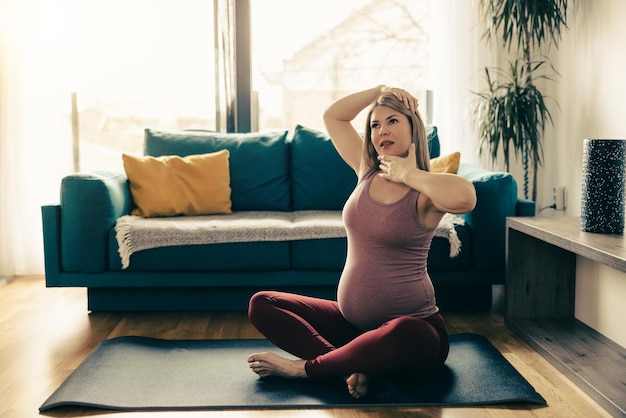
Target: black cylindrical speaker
x: 602, y: 208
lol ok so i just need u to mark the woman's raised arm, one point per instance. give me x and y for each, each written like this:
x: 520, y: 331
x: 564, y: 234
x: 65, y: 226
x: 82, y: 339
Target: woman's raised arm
x: 338, y: 119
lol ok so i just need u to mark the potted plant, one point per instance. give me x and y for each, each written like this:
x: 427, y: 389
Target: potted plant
x: 511, y: 113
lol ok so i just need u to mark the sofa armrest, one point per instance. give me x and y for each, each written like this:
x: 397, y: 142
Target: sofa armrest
x: 525, y: 207
x: 91, y: 202
x: 496, y: 199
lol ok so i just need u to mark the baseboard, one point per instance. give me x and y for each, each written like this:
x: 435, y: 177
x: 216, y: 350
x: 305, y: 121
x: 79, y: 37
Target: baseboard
x: 4, y: 280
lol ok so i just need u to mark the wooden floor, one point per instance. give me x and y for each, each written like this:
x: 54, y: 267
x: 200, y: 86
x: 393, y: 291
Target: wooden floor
x: 46, y: 333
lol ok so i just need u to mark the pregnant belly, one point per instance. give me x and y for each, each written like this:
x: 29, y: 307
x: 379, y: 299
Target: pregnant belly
x: 368, y: 302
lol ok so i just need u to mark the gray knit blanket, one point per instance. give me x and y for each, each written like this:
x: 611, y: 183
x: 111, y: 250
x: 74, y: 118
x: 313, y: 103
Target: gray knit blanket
x: 135, y: 233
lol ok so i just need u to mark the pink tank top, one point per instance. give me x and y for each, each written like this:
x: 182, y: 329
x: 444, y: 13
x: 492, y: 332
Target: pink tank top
x: 385, y: 275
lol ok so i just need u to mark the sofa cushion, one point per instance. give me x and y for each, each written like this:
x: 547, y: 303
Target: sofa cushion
x: 172, y: 185
x: 439, y: 255
x: 231, y: 257
x: 434, y: 146
x: 319, y: 254
x: 259, y: 173
x: 321, y: 180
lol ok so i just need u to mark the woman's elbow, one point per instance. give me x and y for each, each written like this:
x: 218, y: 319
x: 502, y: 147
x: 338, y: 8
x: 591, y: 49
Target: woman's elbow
x: 466, y: 201
x: 469, y: 202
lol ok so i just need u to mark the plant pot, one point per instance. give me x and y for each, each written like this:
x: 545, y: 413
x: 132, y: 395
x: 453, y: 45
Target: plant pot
x: 602, y: 208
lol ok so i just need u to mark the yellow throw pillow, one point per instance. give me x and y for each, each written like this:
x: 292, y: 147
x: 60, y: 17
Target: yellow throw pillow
x: 446, y: 163
x: 173, y: 185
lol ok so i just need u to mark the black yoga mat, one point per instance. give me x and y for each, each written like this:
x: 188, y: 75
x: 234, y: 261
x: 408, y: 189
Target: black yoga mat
x: 137, y: 373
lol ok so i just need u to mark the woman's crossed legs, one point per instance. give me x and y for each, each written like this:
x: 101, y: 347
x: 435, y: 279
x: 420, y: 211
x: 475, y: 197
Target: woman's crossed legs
x: 315, y: 331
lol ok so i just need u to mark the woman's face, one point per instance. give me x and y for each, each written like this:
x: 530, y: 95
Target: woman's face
x: 391, y: 132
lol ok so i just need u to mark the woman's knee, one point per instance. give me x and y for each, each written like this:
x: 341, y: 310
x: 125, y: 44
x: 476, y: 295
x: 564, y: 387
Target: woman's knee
x: 258, y: 304
x: 413, y: 334
x: 409, y: 326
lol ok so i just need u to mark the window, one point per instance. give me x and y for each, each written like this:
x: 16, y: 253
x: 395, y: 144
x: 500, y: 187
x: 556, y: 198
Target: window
x: 131, y: 65
x: 118, y: 67
x: 314, y: 52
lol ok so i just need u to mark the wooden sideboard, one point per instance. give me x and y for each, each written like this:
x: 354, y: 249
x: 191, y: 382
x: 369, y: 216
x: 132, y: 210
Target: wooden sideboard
x: 540, y: 301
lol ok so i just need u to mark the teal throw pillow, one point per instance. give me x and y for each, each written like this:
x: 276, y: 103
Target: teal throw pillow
x: 259, y: 173
x: 434, y: 147
x: 321, y: 180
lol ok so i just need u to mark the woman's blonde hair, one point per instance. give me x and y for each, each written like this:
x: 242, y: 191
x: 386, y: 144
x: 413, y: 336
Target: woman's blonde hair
x: 418, y: 133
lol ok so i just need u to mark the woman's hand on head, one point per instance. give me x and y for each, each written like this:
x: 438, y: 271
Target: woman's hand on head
x: 404, y: 96
x: 396, y: 169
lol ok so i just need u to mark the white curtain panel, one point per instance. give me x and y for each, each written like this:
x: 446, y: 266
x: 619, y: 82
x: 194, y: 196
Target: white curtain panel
x: 9, y: 70
x: 35, y: 145
x: 459, y: 57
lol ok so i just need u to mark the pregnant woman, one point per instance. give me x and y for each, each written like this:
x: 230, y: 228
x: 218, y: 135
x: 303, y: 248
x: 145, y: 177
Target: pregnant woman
x: 385, y: 320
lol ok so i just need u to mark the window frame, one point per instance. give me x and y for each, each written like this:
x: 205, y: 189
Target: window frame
x: 237, y: 111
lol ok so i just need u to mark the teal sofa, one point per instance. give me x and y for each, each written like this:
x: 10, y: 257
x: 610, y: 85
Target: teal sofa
x: 269, y: 171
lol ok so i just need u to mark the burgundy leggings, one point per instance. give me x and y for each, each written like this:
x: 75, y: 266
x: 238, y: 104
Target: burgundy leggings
x: 315, y: 330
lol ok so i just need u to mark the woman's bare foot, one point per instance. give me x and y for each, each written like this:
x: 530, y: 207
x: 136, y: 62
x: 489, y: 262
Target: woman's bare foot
x: 358, y: 383
x: 270, y: 364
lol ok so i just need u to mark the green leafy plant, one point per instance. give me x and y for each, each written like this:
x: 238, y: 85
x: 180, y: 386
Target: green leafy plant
x: 511, y: 113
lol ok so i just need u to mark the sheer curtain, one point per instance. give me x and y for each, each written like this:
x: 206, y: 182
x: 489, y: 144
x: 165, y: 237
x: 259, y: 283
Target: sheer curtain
x: 459, y: 56
x: 129, y: 69
x: 35, y: 143
x: 8, y: 62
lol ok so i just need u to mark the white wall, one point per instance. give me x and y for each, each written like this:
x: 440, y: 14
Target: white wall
x: 592, y: 97
x: 600, y: 296
x: 591, y: 93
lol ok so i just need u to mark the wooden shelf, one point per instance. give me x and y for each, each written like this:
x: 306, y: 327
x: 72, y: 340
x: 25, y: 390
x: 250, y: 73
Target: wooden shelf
x: 565, y: 232
x: 540, y: 296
